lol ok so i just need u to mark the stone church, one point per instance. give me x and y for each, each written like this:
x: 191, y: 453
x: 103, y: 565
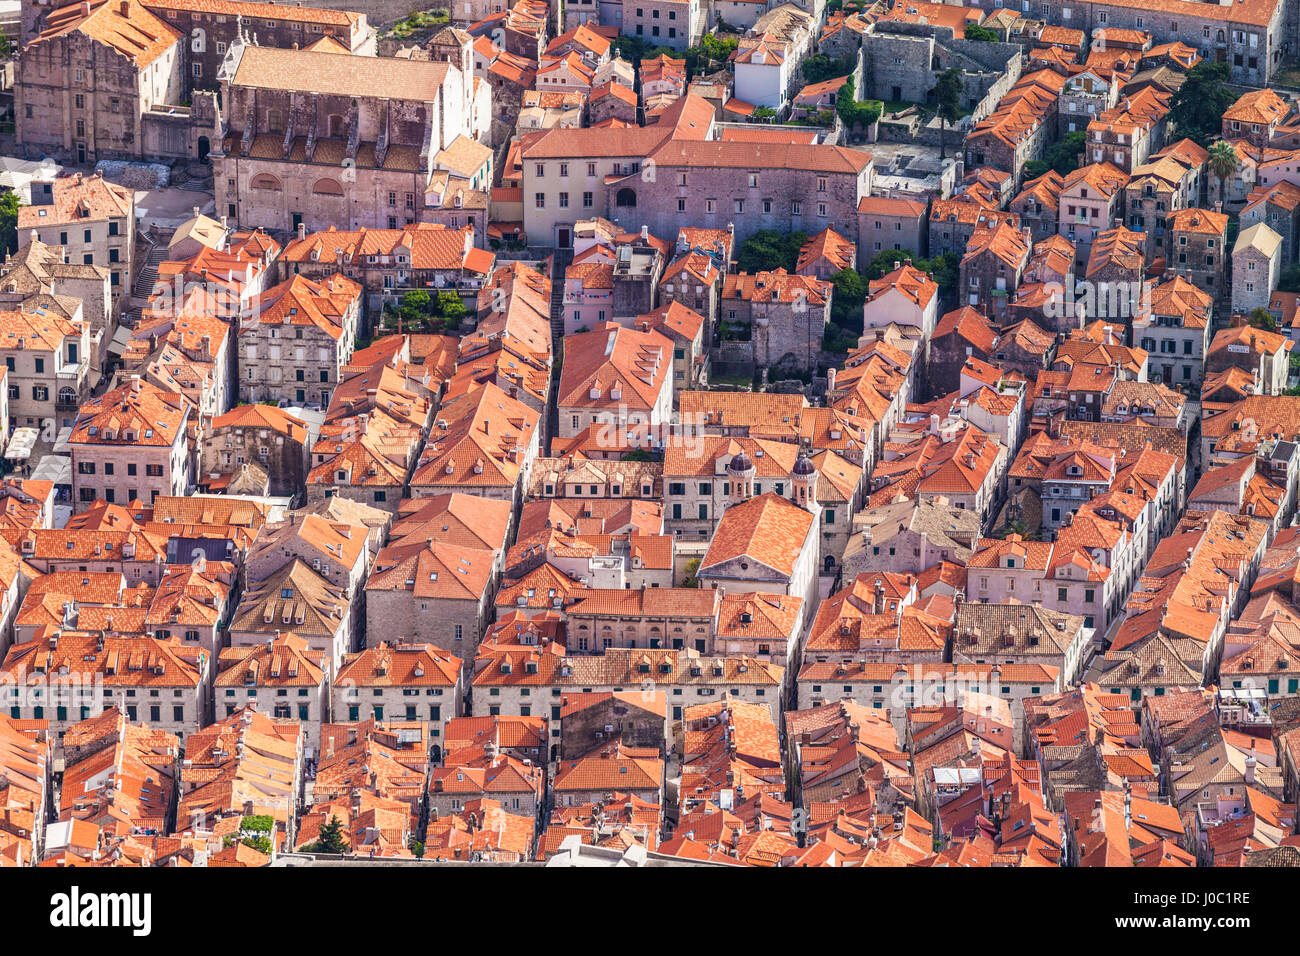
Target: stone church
x: 323, y: 139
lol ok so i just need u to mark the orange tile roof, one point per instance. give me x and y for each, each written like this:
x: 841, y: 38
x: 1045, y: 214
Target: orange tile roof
x: 134, y: 413
x: 1257, y: 106
x: 768, y: 529
x: 133, y: 32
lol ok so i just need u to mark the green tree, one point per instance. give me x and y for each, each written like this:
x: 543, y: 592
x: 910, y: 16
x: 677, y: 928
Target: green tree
x: 331, y: 839
x: 976, y: 32
x: 883, y: 262
x: 945, y: 268
x: 947, y: 96
x: 1223, y: 163
x: 690, y: 569
x: 9, y: 204
x: 1198, y: 105
x: 819, y: 68
x: 768, y: 249
x: 1290, y: 281
x: 1035, y: 168
x: 262, y: 844
x: 416, y: 299
x: 853, y: 111
x: 636, y: 454
x: 1064, y: 156
x: 6, y: 46
x: 850, y: 291
x: 1261, y: 318
x: 451, y: 307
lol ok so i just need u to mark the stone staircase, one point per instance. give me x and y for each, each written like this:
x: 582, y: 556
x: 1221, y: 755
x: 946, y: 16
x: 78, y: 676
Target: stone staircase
x: 148, y: 274
x: 562, y: 259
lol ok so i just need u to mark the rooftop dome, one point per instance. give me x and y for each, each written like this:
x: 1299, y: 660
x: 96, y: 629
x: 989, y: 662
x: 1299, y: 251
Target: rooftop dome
x: 741, y: 462
x: 804, y: 466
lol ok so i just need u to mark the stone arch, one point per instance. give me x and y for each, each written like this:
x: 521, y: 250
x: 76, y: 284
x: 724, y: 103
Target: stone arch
x: 326, y: 187
x: 625, y: 197
x: 265, y: 181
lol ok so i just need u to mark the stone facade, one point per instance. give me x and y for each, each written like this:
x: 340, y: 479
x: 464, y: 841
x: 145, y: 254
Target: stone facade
x: 1198, y: 249
x: 284, y: 356
x: 1256, y: 265
x: 588, y: 722
x: 309, y: 141
x: 786, y: 316
x: 235, y: 439
x: 83, y: 99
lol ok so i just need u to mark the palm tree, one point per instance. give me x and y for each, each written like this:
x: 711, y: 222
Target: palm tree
x: 1223, y: 163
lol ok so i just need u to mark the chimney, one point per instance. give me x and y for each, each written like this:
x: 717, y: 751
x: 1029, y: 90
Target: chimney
x: 302, y: 230
x: 194, y: 209
x: 830, y: 380
x: 1249, y: 774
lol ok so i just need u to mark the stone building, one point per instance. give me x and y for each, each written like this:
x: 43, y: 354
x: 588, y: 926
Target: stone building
x: 1085, y: 96
x: 89, y: 78
x: 299, y: 599
x: 992, y: 267
x: 695, y: 281
x: 38, y: 275
x: 786, y: 316
x: 390, y: 262
x: 909, y: 536
x: 94, y: 221
x: 268, y: 436
x: 281, y: 678
x: 961, y: 334
x: 213, y: 26
x: 46, y: 367
x: 1019, y: 129
x: 768, y: 543
x: 400, y: 681
x: 430, y: 592
x: 590, y: 721
x: 728, y: 184
x: 1248, y: 37
x: 301, y: 336
x: 616, y: 378
x: 672, y: 174
x: 1279, y: 207
x: 885, y: 223
x: 1198, y: 249
x: 130, y: 444
x: 1256, y: 265
x: 1038, y: 205
x: 675, y: 24
x: 1175, y: 332
x: 309, y: 138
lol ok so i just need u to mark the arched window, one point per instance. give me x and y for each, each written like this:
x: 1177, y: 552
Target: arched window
x: 326, y: 187
x: 265, y: 181
x: 625, y: 197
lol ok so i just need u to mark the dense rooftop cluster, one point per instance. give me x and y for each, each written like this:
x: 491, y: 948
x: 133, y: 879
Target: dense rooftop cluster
x: 864, y: 437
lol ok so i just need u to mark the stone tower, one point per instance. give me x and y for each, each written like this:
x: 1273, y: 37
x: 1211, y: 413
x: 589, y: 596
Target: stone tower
x: 805, y: 484
x: 740, y: 471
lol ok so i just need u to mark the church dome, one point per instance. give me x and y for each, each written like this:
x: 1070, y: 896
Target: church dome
x: 741, y: 462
